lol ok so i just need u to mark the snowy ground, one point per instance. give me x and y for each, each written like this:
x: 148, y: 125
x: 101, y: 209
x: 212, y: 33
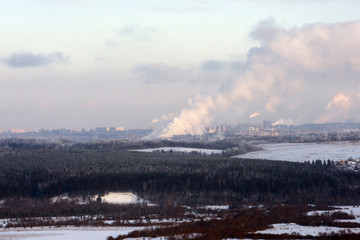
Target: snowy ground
x: 118, y: 198
x: 182, y: 149
x: 289, y: 228
x: 110, y: 197
x: 72, y: 233
x: 68, y: 233
x: 301, y: 152
x: 217, y: 207
x: 351, y: 210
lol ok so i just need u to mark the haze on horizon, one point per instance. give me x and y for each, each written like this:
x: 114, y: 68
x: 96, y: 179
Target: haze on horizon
x: 184, y: 65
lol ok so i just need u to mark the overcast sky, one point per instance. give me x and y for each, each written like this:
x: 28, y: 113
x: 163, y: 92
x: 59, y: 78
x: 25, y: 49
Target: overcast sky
x: 189, y: 63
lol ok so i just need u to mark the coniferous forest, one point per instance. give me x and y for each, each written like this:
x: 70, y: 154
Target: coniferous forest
x: 187, y: 178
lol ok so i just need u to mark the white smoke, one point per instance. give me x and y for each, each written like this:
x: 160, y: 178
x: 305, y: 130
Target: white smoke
x: 255, y: 114
x: 282, y: 121
x: 167, y: 117
x: 342, y: 106
x: 195, y: 119
x: 339, y: 101
x: 272, y: 103
x: 294, y: 74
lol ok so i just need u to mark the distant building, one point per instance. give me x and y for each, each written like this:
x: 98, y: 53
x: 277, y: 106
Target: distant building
x: 101, y: 130
x: 267, y: 124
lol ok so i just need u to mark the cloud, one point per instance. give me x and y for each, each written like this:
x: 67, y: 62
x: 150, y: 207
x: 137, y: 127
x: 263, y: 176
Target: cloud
x: 27, y: 59
x: 209, y: 72
x: 217, y: 66
x: 161, y: 73
x: 111, y: 42
x: 265, y: 31
x: 297, y: 75
x: 137, y: 32
x: 212, y: 65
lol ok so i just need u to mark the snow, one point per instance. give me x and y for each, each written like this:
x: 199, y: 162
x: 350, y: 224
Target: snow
x: 4, y: 222
x: 182, y: 149
x: 301, y: 152
x: 118, y: 198
x: 109, y: 222
x: 351, y: 210
x: 188, y: 236
x: 68, y: 233
x: 217, y: 207
x: 289, y: 228
x: 65, y: 197
x: 110, y: 197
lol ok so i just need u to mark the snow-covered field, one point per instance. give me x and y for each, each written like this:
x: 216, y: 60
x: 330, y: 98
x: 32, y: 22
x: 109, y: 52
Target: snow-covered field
x: 301, y: 152
x: 110, y: 197
x: 119, y: 198
x: 68, y: 233
x: 182, y: 149
x: 289, y: 228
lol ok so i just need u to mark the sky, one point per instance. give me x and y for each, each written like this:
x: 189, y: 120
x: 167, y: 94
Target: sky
x: 177, y: 65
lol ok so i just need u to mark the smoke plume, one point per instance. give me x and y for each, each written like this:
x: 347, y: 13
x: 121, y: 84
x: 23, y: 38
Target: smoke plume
x: 255, y: 114
x: 303, y: 74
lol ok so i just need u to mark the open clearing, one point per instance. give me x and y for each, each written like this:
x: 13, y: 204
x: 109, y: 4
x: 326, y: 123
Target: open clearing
x: 302, y: 152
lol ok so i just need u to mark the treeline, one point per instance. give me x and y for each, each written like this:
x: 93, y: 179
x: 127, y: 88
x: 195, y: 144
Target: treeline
x: 176, y: 177
x: 39, y: 208
x: 128, y: 145
x: 37, y: 144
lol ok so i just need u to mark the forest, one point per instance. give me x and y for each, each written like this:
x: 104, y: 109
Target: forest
x: 172, y: 177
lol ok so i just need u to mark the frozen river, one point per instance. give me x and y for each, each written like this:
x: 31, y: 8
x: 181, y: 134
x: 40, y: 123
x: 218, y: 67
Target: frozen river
x: 301, y: 152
